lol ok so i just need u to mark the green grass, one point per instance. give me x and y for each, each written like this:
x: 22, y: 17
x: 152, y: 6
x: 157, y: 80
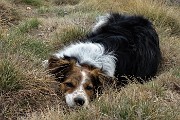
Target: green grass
x: 33, y: 2
x: 9, y: 77
x: 162, y: 19
x: 29, y: 25
x: 134, y: 102
x: 65, y: 2
x: 176, y: 72
x: 35, y: 48
x: 71, y: 34
x: 18, y: 41
x: 43, y: 10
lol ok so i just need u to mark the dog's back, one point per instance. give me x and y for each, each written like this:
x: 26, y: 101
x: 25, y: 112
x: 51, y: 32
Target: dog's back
x: 134, y: 43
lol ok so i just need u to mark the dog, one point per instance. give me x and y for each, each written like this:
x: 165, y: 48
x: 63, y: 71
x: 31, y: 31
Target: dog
x: 118, y: 48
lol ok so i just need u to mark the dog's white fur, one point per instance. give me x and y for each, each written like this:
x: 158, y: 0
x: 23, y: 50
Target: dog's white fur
x: 101, y: 20
x: 96, y: 56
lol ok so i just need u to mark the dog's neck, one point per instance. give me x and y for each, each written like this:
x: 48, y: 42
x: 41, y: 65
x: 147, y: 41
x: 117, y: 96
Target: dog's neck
x: 92, y: 54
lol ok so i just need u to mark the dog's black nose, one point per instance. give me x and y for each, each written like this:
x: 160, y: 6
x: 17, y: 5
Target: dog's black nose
x: 79, y: 101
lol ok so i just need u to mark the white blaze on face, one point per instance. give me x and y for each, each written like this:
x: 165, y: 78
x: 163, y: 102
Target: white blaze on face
x: 78, y: 93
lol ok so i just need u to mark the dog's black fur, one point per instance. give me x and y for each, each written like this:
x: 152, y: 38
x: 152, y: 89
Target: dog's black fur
x: 135, y: 44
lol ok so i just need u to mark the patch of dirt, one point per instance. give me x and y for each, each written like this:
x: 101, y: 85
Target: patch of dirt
x: 8, y: 16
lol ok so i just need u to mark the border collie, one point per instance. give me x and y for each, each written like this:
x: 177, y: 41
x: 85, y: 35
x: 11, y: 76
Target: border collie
x: 119, y: 48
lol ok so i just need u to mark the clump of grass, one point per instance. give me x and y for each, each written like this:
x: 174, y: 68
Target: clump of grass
x: 159, y: 13
x: 64, y: 2
x: 32, y: 2
x: 36, y: 48
x: 9, y: 16
x: 29, y: 25
x: 172, y: 2
x: 71, y: 34
x: 132, y: 103
x: 137, y: 102
x: 9, y: 77
x: 176, y: 72
x: 19, y: 42
x: 1, y: 35
x: 61, y: 12
x: 43, y: 10
x: 163, y: 19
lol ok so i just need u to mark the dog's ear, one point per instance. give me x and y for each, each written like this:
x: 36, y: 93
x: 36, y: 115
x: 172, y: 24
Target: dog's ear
x: 102, y: 79
x: 59, y: 67
x: 106, y: 80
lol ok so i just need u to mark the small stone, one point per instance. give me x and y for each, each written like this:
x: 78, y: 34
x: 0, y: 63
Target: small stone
x: 28, y: 8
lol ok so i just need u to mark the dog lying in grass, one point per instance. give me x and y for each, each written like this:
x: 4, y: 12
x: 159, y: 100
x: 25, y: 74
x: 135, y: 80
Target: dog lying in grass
x: 119, y: 48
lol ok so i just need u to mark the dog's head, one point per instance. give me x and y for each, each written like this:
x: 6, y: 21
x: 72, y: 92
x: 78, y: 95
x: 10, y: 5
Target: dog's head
x: 79, y: 83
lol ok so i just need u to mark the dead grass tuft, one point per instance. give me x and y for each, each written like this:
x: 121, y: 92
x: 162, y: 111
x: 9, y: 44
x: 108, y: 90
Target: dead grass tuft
x: 8, y: 15
x: 37, y: 3
x: 72, y: 34
x: 29, y: 25
x: 26, y: 101
x: 65, y: 2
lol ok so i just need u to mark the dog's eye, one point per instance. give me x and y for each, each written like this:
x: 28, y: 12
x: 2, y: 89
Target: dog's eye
x: 68, y: 84
x: 89, y: 88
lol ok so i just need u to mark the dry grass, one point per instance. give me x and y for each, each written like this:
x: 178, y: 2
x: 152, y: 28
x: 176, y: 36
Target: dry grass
x: 62, y: 2
x: 29, y: 2
x: 8, y: 15
x: 27, y: 92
